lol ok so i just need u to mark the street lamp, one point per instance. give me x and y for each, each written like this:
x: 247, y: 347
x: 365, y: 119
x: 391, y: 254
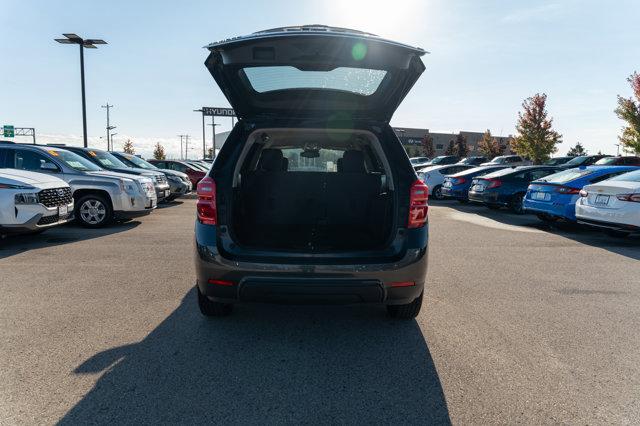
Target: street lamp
x: 83, y: 43
x: 111, y: 137
x: 110, y: 142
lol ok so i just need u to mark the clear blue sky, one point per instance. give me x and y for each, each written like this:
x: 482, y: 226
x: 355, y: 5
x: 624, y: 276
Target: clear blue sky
x: 486, y: 57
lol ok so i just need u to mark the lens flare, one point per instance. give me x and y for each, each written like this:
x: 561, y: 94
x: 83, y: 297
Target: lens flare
x: 359, y: 51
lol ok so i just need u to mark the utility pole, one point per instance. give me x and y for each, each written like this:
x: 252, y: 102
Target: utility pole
x: 181, y: 139
x: 107, y: 106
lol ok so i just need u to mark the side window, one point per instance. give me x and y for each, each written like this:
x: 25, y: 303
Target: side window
x: 177, y: 166
x: 32, y: 161
x: 159, y: 164
x: 538, y: 174
x: 3, y: 158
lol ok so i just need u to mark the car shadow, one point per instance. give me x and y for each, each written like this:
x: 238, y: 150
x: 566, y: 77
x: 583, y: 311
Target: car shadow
x: 70, y: 233
x: 167, y: 204
x: 267, y: 364
x: 628, y: 246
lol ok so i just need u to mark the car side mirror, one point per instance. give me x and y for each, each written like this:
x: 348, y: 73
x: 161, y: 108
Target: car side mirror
x: 49, y: 167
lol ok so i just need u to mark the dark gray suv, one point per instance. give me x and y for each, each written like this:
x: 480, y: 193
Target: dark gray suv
x: 312, y: 198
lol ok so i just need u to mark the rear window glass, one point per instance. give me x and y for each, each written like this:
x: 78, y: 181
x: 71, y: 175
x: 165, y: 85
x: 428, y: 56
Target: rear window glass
x: 327, y: 161
x: 354, y: 80
x: 503, y: 172
x: 566, y: 176
x: 628, y: 177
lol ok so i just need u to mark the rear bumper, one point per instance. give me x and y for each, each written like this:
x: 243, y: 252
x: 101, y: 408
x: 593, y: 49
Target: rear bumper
x: 618, y: 219
x: 458, y: 194
x: 486, y: 198
x: 560, y: 210
x: 306, y: 283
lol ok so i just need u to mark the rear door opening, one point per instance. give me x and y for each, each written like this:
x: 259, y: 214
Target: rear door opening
x: 311, y: 190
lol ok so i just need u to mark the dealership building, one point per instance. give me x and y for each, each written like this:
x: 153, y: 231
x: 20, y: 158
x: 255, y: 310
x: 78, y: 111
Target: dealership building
x: 412, y: 140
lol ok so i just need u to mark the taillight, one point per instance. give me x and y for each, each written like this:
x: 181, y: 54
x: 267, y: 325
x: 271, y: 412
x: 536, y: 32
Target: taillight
x: 629, y: 197
x: 206, y: 205
x: 458, y: 180
x: 567, y: 190
x: 418, y: 207
x: 583, y: 193
x: 493, y: 183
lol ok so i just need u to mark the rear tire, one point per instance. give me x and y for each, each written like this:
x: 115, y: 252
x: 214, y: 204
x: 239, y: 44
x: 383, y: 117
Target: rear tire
x: 516, y: 204
x: 547, y: 218
x: 407, y: 311
x: 209, y: 308
x: 436, y: 193
x: 463, y: 201
x: 494, y: 206
x: 93, y: 211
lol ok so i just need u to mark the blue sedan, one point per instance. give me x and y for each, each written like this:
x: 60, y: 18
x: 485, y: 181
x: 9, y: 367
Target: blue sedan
x: 457, y: 186
x: 554, y: 197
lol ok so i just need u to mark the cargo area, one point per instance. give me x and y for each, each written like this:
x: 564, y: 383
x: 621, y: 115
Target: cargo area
x: 313, y: 191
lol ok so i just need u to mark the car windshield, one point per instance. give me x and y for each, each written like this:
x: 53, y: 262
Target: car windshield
x: 565, y: 176
x: 439, y: 160
x: 107, y: 160
x: 475, y: 170
x: 576, y: 161
x: 554, y: 161
x: 74, y: 161
x: 354, y: 80
x: 605, y: 161
x: 628, y: 177
x: 139, y: 162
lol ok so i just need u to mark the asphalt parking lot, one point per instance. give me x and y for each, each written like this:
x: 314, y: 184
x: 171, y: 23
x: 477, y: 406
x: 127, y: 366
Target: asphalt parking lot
x: 520, y: 324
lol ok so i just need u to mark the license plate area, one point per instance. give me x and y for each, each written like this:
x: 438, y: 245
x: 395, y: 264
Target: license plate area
x: 540, y: 196
x: 601, y: 200
x: 478, y: 188
x: 63, y: 211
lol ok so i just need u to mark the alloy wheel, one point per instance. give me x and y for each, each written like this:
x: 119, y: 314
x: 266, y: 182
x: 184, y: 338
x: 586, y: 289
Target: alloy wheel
x: 93, y: 212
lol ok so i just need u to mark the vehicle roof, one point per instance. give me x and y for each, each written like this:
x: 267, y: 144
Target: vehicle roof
x: 304, y: 30
x: 510, y: 170
x: 28, y: 177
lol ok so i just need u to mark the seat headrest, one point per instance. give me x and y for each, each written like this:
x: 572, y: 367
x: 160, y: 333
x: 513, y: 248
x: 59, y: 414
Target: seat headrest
x: 271, y: 160
x: 339, y: 165
x: 353, y: 162
x: 285, y: 164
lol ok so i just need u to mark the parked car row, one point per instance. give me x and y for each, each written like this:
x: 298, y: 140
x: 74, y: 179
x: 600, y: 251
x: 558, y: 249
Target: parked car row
x: 48, y: 185
x: 601, y: 195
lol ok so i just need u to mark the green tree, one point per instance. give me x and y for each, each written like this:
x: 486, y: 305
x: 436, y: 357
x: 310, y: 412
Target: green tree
x: 451, y: 149
x: 159, y: 152
x: 629, y: 111
x: 577, y: 150
x: 460, y: 149
x: 427, y: 146
x: 128, y: 147
x: 536, y: 138
x: 489, y: 146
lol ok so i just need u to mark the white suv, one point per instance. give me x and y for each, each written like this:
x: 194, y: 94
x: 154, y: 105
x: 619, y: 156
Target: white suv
x: 32, y: 202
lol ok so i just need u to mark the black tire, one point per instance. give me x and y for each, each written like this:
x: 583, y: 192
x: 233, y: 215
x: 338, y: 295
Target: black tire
x: 209, y: 308
x: 103, y: 215
x: 516, y: 204
x: 170, y: 198
x: 547, y: 218
x: 463, y: 201
x: 408, y: 311
x: 494, y: 206
x: 436, y: 193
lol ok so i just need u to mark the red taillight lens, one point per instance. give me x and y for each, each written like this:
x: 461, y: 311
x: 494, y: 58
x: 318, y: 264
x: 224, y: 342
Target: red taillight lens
x: 629, y: 197
x: 402, y: 284
x: 493, y: 183
x: 418, y: 206
x: 584, y: 193
x: 458, y: 180
x: 567, y: 190
x: 221, y: 282
x: 206, y: 205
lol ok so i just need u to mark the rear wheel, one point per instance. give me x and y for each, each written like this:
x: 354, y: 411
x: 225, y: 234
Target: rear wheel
x: 462, y: 201
x: 407, y: 311
x: 93, y: 211
x: 494, y: 206
x: 436, y: 193
x: 516, y: 204
x: 209, y: 308
x: 547, y: 217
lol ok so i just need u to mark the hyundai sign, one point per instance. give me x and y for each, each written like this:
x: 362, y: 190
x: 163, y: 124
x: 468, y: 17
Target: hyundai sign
x: 218, y: 112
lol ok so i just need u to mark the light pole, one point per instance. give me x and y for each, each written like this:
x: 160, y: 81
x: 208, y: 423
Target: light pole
x: 204, y: 144
x: 181, y: 138
x: 89, y: 44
